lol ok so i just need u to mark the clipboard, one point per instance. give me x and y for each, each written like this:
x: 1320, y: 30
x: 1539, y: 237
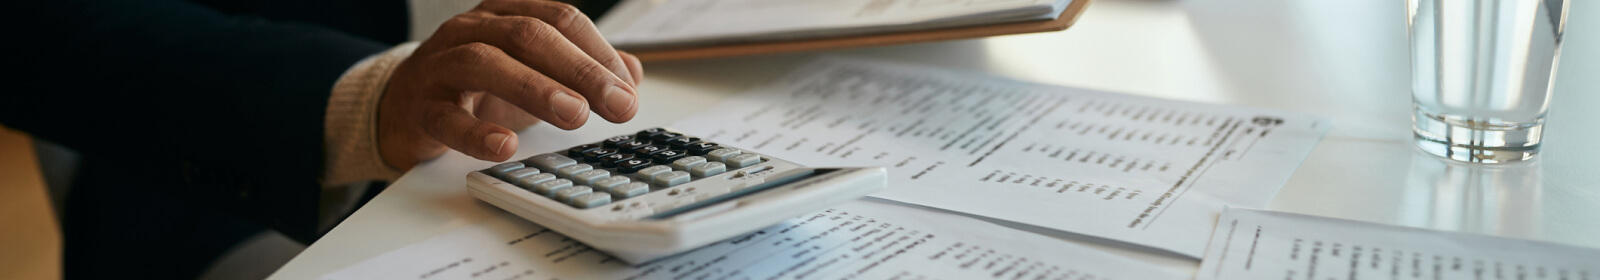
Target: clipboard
x: 1068, y: 16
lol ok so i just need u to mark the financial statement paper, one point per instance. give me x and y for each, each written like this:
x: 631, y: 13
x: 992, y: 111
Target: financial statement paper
x: 1147, y: 171
x: 657, y: 23
x: 857, y: 240
x: 1256, y: 244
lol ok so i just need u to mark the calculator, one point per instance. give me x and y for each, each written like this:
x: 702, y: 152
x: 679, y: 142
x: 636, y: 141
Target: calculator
x: 659, y: 192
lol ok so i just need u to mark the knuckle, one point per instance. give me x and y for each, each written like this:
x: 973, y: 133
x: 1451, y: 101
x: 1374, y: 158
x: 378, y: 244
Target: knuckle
x: 613, y: 60
x: 590, y: 73
x: 475, y: 52
x: 529, y: 84
x: 566, y: 16
x: 435, y: 123
x: 529, y: 31
x: 458, y: 22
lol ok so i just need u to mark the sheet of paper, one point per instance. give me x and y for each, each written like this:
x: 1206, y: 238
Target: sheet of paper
x: 1256, y: 244
x: 857, y: 240
x: 1142, y: 170
x: 645, y: 23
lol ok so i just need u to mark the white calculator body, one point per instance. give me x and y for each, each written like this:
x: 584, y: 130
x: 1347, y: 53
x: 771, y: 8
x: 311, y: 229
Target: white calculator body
x: 658, y: 193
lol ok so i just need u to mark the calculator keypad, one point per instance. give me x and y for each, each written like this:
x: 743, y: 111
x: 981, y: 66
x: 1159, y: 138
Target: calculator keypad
x: 536, y: 179
x: 708, y: 169
x: 722, y: 154
x: 665, y: 157
x: 569, y: 171
x: 622, y: 167
x: 549, y: 162
x: 518, y: 174
x: 499, y: 170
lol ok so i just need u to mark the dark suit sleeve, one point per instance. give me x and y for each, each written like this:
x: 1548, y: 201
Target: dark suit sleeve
x: 224, y: 111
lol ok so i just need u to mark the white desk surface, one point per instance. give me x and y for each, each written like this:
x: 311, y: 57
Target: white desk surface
x: 1344, y: 59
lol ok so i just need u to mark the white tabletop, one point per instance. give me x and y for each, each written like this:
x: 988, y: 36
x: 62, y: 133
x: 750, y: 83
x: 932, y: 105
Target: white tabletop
x: 1347, y: 60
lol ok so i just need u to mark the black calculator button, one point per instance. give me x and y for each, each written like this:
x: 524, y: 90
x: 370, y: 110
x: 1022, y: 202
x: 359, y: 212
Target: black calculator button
x: 680, y: 142
x: 665, y: 157
x: 595, y: 154
x: 648, y: 133
x: 615, y: 141
x: 701, y: 148
x: 580, y: 149
x: 649, y: 150
x: 664, y: 136
x: 635, y: 144
x: 633, y: 165
x: 612, y: 160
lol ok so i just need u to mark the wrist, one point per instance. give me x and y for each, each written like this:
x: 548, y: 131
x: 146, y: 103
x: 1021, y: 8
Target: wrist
x: 351, y: 149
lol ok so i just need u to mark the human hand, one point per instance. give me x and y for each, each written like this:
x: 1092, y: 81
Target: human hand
x: 504, y: 65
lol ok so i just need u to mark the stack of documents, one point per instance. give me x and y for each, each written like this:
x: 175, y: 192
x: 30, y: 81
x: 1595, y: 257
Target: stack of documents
x: 1149, y: 172
x: 1255, y: 244
x: 639, y: 24
x: 857, y: 240
x: 1146, y: 171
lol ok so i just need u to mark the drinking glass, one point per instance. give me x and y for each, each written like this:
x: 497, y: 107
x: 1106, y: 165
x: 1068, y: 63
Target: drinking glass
x: 1481, y: 72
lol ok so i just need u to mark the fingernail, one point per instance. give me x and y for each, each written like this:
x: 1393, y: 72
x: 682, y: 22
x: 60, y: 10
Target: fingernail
x: 566, y: 106
x: 618, y: 100
x: 498, y: 141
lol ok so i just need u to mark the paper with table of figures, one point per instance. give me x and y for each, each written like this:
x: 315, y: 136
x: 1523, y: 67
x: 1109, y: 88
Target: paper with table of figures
x: 857, y: 240
x: 1256, y: 244
x: 1142, y: 170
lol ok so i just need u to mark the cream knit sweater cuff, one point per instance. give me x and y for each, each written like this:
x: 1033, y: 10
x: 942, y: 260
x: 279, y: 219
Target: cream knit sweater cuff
x: 350, y: 143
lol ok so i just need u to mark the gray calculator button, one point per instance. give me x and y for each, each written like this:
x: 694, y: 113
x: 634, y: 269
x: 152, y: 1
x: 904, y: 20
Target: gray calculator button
x: 630, y: 190
x: 567, y: 194
x: 649, y: 173
x: 550, y: 161
x: 610, y: 182
x: 567, y: 172
x: 708, y: 169
x: 499, y: 170
x: 672, y: 178
x: 531, y: 181
x: 722, y: 154
x: 742, y: 161
x: 589, y: 177
x: 684, y: 164
x: 590, y: 200
x: 552, y: 186
x: 517, y: 175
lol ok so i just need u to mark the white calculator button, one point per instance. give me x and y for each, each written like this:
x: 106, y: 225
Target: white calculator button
x: 649, y: 173
x: 610, y: 182
x: 722, y: 154
x: 589, y: 177
x: 552, y: 186
x: 499, y: 170
x: 550, y: 161
x: 684, y: 164
x: 566, y: 195
x: 742, y: 161
x: 567, y: 172
x: 630, y: 190
x: 531, y: 181
x: 672, y: 178
x: 590, y: 200
x: 708, y: 169
x: 516, y: 175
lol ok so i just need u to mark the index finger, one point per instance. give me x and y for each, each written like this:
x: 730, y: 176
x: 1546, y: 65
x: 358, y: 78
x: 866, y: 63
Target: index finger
x: 572, y: 24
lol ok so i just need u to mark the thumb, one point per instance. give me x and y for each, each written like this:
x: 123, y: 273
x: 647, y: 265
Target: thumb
x: 459, y: 130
